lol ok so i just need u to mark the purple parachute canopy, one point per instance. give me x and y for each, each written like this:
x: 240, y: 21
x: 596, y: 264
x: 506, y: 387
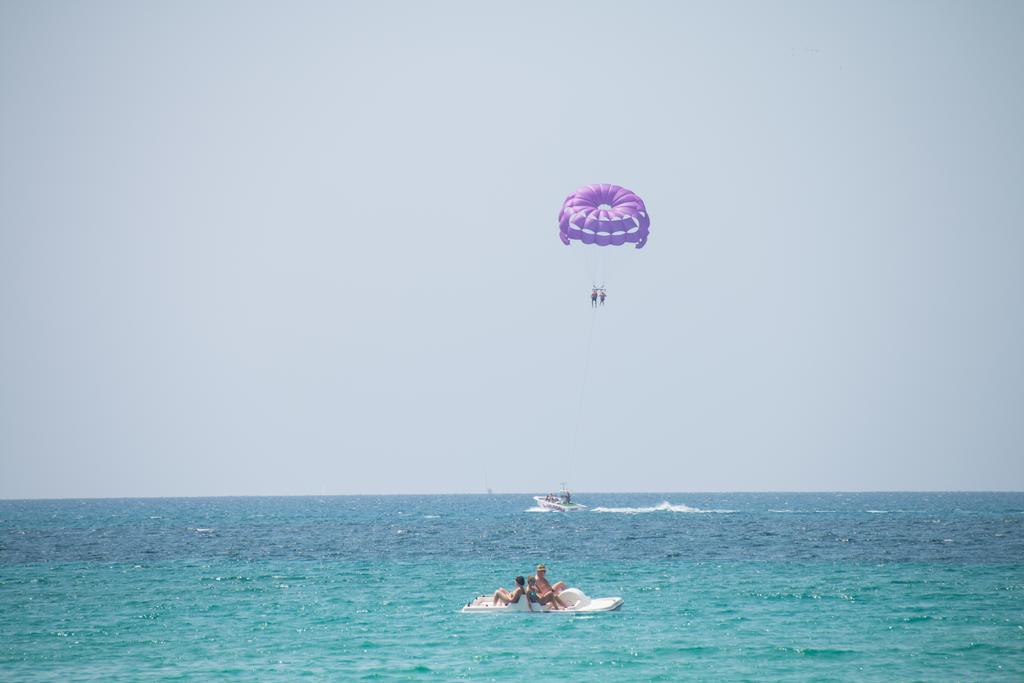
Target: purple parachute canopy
x: 604, y: 215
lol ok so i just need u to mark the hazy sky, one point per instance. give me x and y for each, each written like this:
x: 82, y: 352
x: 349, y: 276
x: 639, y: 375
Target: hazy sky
x: 306, y: 248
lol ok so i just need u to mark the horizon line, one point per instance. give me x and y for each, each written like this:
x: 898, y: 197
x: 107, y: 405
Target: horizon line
x: 509, y: 493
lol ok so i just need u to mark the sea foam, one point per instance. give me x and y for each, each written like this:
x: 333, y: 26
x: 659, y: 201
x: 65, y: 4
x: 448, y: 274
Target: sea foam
x: 664, y: 506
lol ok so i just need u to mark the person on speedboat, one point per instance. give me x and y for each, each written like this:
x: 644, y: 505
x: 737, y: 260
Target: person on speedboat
x: 543, y: 586
x: 545, y: 598
x: 503, y: 597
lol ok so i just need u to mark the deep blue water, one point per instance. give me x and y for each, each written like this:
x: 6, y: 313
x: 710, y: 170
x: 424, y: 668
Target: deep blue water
x: 877, y: 586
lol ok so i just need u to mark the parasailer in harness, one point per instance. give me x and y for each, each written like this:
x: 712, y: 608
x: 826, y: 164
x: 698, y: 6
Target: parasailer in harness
x: 603, y: 295
x: 593, y: 297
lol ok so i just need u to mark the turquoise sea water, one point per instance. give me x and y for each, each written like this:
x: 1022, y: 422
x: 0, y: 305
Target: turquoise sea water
x: 717, y: 586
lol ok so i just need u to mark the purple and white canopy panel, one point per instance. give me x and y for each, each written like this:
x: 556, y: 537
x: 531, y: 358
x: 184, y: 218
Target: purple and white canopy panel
x: 604, y: 215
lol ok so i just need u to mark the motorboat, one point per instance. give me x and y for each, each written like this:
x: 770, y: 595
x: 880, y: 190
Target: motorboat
x: 578, y: 603
x: 559, y: 502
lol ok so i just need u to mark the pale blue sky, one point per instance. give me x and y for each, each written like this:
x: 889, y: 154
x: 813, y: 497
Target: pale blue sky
x: 304, y: 248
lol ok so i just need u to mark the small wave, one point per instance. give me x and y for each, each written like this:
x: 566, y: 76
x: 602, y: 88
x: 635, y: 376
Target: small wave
x: 920, y: 618
x: 431, y: 516
x: 782, y: 511
x: 537, y: 509
x: 877, y: 512
x: 201, y: 530
x: 823, y: 652
x: 664, y: 506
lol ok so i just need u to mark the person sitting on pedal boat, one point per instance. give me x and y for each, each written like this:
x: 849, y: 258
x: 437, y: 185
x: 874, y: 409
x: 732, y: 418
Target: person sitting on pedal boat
x: 542, y: 582
x: 503, y: 597
x: 543, y: 598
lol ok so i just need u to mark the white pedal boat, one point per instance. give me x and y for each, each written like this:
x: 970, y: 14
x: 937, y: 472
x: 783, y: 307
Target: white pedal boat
x: 578, y: 603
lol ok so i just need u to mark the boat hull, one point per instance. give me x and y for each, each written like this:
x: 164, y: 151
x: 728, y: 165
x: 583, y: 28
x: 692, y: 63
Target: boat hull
x: 558, y: 506
x: 579, y: 603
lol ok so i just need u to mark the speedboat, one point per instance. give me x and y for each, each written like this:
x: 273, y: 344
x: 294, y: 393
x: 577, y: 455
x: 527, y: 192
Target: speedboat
x: 578, y: 603
x: 559, y: 502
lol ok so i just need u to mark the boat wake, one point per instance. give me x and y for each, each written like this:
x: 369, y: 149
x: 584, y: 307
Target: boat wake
x: 664, y: 506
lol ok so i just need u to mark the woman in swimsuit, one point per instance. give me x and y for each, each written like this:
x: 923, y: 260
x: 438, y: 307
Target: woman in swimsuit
x: 531, y: 589
x: 503, y: 597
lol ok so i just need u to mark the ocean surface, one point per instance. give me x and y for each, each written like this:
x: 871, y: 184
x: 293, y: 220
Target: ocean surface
x: 874, y: 586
